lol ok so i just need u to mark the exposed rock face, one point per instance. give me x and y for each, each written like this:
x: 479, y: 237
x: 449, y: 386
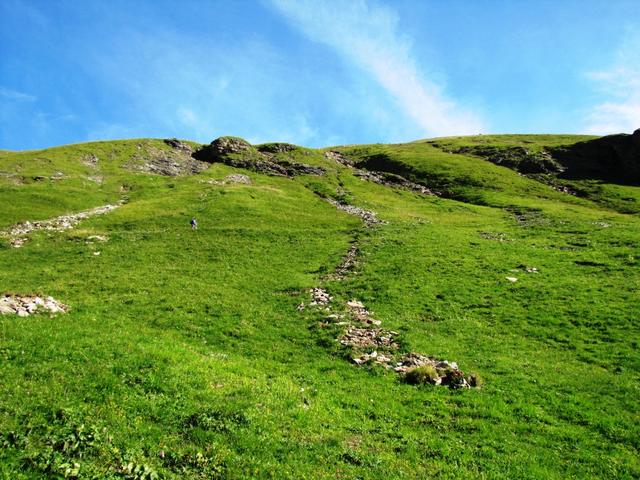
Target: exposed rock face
x: 239, y: 153
x: 614, y: 157
x: 172, y: 163
x: 179, y: 145
x: 226, y: 145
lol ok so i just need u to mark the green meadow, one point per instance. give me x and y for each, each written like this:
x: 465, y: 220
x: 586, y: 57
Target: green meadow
x: 184, y: 355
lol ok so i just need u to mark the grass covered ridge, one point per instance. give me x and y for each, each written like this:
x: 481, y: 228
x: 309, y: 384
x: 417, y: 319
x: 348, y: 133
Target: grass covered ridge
x: 184, y: 355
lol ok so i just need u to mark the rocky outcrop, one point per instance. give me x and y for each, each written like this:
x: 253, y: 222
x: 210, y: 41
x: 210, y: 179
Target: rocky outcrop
x: 614, y: 157
x: 179, y: 145
x: 162, y: 161
x: 517, y: 158
x: 239, y: 153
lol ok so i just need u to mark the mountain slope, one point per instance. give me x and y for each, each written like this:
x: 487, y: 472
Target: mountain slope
x: 188, y: 353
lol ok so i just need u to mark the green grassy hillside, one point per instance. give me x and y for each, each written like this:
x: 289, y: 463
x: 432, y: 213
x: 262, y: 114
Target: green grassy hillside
x: 188, y: 353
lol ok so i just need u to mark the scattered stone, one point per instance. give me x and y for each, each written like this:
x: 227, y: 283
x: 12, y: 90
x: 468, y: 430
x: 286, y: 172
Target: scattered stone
x: 347, y: 264
x: 525, y: 268
x: 368, y: 342
x: 370, y: 218
x: 375, y: 357
x: 229, y: 179
x: 97, y: 238
x: 95, y: 178
x: 602, y: 224
x: 368, y: 337
x: 25, y: 305
x: 338, y: 158
x: 90, y: 160
x: 18, y: 242
x: 96, y: 254
x: 500, y: 237
x: 394, y: 181
x: 64, y: 222
x: 360, y: 313
x: 320, y: 297
x: 418, y: 368
x: 512, y: 279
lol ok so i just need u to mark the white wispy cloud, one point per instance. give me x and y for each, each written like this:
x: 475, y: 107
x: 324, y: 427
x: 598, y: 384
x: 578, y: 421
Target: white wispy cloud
x: 16, y: 95
x: 620, y: 86
x: 367, y: 35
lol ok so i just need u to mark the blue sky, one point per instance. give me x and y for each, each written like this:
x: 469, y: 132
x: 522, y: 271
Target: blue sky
x: 315, y: 72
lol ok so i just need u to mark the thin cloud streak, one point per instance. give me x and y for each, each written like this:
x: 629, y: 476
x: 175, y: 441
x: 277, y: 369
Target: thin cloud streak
x: 368, y: 36
x: 621, y: 85
x: 16, y: 95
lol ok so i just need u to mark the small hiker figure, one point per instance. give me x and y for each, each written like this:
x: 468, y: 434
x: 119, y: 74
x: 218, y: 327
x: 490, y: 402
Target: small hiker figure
x: 194, y: 223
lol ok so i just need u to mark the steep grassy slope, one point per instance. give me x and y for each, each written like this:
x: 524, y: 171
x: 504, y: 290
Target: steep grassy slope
x: 184, y: 354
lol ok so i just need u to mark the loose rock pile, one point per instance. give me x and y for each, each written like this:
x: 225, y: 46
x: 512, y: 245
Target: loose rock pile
x: 25, y: 305
x: 347, y: 265
x: 320, y: 297
x: 369, y: 217
x: 18, y: 232
x: 370, y: 343
x: 91, y: 160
